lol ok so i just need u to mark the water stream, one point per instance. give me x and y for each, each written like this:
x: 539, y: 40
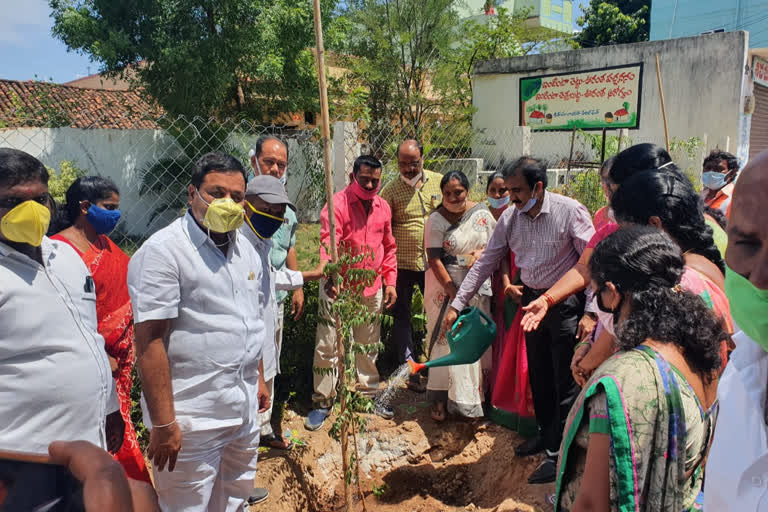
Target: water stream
x: 394, y: 385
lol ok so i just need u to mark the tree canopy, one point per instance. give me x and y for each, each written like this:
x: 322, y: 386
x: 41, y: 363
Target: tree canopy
x: 201, y: 57
x: 414, y: 58
x: 615, y: 22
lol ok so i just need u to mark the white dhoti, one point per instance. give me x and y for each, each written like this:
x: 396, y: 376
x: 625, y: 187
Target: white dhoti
x: 214, y: 473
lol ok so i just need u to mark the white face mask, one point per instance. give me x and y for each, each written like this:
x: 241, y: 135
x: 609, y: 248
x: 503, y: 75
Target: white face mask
x: 413, y: 181
x: 501, y: 202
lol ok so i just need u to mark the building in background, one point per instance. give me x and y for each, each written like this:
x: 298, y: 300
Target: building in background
x: 706, y: 89
x: 671, y: 19
x: 559, y: 15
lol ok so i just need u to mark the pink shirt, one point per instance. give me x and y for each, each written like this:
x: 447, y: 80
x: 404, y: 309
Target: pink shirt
x: 602, y: 233
x: 601, y: 217
x: 362, y: 230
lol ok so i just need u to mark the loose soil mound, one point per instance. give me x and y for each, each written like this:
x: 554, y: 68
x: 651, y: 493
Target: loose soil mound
x: 408, y: 464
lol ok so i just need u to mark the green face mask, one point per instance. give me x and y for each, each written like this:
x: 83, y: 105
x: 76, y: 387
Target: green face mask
x: 749, y: 307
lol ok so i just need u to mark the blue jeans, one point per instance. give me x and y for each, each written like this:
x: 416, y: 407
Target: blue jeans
x: 402, y: 332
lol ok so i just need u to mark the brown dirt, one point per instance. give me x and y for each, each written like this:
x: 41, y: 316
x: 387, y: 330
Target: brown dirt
x: 413, y: 464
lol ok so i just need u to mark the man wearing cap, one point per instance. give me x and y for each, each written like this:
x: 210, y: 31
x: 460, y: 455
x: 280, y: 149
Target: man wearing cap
x: 266, y: 205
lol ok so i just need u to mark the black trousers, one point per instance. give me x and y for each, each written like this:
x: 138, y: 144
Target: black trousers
x: 402, y: 332
x: 550, y: 351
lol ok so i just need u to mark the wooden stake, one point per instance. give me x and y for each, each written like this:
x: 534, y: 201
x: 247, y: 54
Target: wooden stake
x: 326, y: 128
x: 326, y: 134
x: 661, y: 96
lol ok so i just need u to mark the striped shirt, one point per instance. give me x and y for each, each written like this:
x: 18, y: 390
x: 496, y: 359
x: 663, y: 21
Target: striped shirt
x: 410, y: 209
x: 545, y: 247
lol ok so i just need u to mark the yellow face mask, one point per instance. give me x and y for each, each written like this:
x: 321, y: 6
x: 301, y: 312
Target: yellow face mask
x: 223, y: 215
x: 27, y: 223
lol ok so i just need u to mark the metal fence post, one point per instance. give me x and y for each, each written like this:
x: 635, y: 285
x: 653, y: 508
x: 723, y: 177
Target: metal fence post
x: 623, y: 136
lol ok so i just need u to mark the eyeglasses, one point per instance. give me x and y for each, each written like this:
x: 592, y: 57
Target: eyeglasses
x: 8, y: 203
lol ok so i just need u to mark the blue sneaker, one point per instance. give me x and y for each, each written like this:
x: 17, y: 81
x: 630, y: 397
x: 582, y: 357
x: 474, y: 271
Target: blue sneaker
x: 316, y: 418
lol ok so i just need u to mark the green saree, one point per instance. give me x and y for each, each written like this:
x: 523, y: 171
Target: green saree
x: 659, y: 435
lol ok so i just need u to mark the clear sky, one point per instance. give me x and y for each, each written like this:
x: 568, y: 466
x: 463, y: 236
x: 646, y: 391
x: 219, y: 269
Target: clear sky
x: 27, y: 47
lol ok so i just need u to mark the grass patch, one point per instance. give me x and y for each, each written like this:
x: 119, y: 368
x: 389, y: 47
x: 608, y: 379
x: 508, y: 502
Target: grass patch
x: 308, y: 245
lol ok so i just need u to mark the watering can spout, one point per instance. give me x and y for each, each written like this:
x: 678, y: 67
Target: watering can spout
x: 415, y: 367
x: 469, y: 338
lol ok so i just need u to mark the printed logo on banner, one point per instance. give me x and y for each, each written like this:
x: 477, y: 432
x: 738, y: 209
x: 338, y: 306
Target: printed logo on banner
x: 590, y: 100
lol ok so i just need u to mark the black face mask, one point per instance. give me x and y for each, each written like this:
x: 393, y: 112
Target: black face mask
x: 606, y: 309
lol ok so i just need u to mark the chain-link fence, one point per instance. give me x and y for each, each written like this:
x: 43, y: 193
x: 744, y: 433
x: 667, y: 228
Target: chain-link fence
x: 150, y: 159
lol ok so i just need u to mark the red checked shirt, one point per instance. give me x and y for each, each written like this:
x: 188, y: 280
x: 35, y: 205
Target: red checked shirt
x: 360, y: 230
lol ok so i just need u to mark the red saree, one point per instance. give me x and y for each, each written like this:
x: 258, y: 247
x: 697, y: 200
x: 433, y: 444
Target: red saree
x: 108, y: 265
x: 511, y: 398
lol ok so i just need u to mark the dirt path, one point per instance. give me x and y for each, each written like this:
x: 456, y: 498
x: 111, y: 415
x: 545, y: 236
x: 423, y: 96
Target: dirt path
x: 409, y: 464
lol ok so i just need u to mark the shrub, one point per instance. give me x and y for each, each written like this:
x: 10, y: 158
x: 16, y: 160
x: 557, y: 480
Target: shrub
x: 60, y: 181
x: 585, y: 187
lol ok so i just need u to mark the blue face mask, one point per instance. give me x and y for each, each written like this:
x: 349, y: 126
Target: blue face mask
x: 713, y: 180
x: 530, y: 204
x: 498, y: 203
x: 102, y: 220
x: 263, y: 224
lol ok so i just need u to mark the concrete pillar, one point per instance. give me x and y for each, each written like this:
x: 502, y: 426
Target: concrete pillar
x: 524, y: 134
x: 496, y: 147
x: 346, y: 149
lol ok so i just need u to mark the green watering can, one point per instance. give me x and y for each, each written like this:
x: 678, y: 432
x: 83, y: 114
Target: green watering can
x: 469, y: 338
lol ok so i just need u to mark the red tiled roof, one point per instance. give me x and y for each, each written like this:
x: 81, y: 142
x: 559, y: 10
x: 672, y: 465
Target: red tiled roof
x: 29, y: 103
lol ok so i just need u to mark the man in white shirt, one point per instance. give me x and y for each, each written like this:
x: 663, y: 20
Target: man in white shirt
x: 196, y: 292
x: 737, y: 467
x: 55, y: 378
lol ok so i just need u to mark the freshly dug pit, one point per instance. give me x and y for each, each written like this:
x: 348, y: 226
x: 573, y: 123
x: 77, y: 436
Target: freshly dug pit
x: 408, y: 464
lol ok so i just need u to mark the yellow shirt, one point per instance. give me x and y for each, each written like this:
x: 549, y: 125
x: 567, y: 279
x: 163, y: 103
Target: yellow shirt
x: 410, y: 209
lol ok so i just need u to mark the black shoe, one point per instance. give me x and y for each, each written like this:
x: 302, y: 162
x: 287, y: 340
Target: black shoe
x: 258, y: 494
x: 530, y: 447
x: 545, y: 473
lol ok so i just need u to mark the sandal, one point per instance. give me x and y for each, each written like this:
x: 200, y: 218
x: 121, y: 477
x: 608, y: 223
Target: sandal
x: 272, y: 441
x: 437, y: 412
